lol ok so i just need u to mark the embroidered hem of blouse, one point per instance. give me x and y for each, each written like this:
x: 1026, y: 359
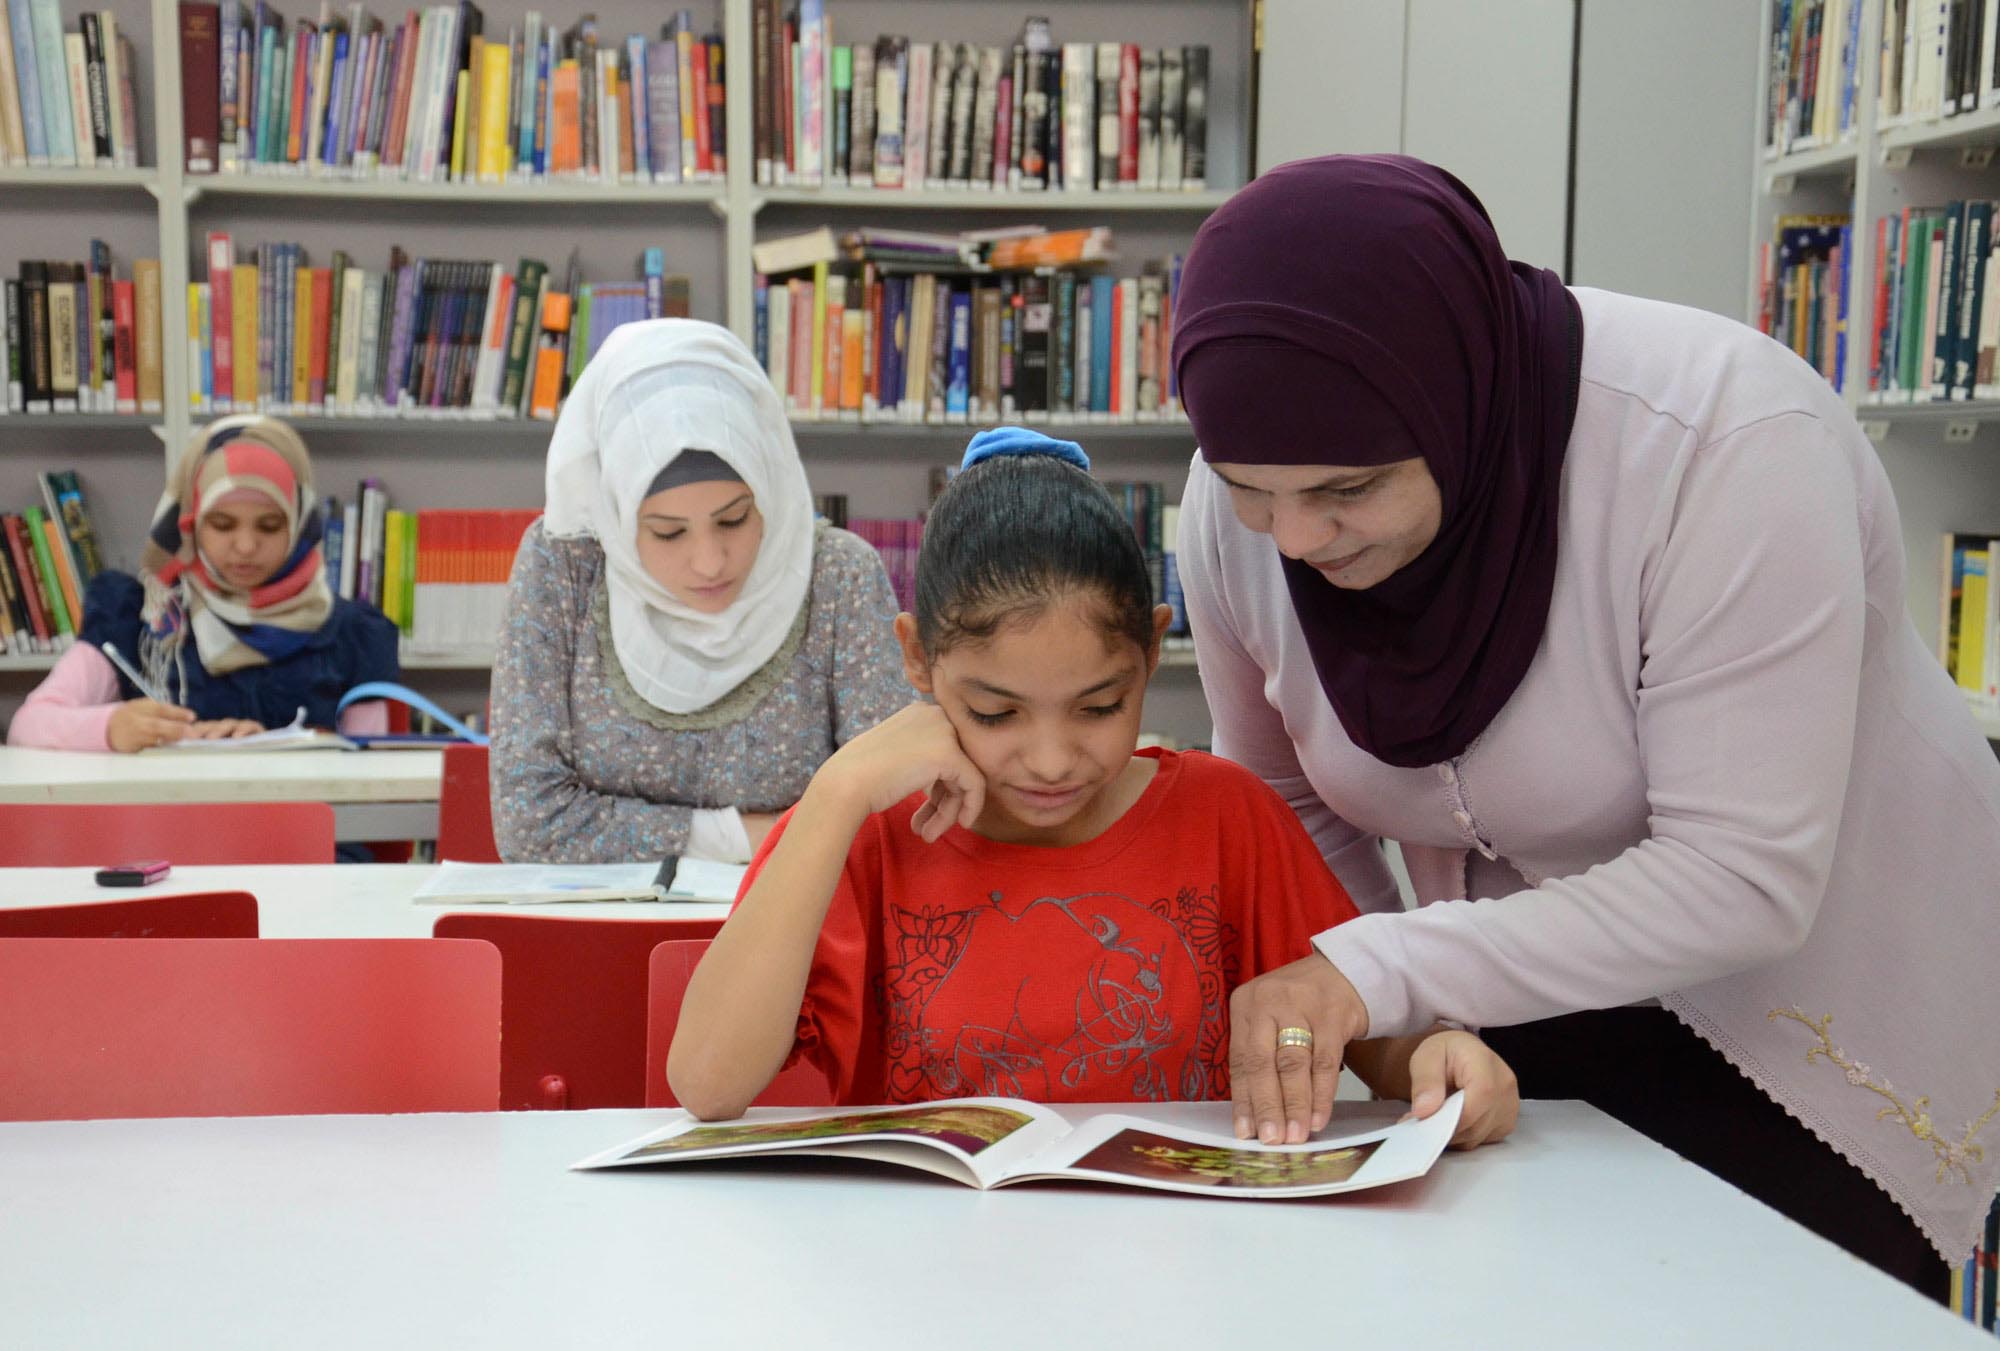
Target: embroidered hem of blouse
x: 732, y: 707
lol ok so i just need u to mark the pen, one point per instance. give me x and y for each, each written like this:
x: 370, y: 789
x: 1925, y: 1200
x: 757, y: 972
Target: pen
x: 133, y: 676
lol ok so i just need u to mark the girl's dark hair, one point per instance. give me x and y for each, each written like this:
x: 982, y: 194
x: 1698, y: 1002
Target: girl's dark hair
x: 1012, y: 533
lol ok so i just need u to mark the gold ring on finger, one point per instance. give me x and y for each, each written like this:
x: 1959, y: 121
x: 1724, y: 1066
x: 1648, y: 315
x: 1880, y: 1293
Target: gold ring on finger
x: 1295, y: 1036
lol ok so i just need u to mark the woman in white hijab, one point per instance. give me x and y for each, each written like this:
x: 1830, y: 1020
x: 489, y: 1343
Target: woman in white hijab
x: 684, y: 642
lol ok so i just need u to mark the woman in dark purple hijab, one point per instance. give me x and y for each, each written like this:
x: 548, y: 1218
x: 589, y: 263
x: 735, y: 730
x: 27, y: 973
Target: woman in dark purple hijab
x: 1594, y: 605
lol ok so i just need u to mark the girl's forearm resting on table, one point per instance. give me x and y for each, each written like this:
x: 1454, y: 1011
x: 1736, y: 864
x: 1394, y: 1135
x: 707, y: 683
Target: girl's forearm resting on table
x: 741, y: 1012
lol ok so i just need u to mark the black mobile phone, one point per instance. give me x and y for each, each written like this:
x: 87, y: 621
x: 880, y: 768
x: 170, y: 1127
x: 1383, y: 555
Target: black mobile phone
x: 140, y: 874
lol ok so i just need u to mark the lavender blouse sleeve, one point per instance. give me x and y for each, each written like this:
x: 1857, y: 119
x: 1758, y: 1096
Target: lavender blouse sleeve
x: 1751, y: 615
x: 1248, y: 729
x: 542, y: 810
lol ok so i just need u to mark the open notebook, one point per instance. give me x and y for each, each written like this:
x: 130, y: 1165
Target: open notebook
x: 686, y: 879
x: 294, y: 736
x: 995, y: 1142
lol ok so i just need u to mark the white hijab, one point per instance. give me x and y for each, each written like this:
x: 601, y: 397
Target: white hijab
x: 653, y: 390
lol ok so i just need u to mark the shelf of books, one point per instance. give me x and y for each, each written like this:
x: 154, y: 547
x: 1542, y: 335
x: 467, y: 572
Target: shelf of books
x: 344, y: 218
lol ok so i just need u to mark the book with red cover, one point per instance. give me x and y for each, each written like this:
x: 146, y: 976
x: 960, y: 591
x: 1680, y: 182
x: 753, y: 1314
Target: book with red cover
x: 704, y: 152
x: 718, y: 129
x: 1128, y: 115
x: 125, y: 367
x: 201, y: 69
x: 221, y: 270
x: 29, y: 575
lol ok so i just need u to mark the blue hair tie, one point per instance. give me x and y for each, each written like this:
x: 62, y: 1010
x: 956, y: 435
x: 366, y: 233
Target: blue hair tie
x: 1020, y: 441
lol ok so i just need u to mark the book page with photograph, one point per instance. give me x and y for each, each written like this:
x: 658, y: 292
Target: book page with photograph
x: 977, y: 1141
x: 994, y: 1142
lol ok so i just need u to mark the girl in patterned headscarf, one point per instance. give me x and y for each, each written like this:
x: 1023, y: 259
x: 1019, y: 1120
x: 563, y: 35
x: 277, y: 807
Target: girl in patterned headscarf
x: 231, y: 617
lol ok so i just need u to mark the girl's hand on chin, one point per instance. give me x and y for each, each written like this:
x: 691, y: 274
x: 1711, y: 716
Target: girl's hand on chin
x: 915, y: 751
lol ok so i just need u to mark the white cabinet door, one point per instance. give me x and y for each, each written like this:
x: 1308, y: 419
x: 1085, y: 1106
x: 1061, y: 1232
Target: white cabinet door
x: 1331, y: 82
x: 1478, y: 87
x: 1486, y: 94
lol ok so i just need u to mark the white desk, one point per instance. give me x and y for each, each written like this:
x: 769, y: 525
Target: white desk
x: 317, y: 900
x: 376, y: 795
x: 428, y: 1231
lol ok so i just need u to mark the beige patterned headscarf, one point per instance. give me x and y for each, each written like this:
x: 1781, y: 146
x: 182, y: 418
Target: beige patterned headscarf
x: 232, y: 628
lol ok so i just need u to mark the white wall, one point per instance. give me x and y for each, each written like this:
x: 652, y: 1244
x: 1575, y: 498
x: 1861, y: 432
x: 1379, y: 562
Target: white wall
x: 1665, y: 123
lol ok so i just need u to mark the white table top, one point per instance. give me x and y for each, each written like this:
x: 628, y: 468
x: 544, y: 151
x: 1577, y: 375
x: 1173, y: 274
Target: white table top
x: 468, y: 1230
x: 29, y: 775
x: 319, y: 900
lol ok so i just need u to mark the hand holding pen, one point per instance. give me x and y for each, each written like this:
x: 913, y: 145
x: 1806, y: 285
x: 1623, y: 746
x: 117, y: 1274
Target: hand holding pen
x: 155, y: 720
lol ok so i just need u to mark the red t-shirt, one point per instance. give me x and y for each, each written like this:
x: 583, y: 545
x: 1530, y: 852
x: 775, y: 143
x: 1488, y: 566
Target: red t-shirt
x: 1097, y: 973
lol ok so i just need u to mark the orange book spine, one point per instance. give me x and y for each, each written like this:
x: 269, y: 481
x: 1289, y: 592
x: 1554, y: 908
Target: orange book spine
x: 852, y: 371
x: 322, y: 319
x: 566, y: 137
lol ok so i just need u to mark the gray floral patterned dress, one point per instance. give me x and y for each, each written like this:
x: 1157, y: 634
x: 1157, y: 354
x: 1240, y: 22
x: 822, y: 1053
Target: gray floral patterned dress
x: 584, y: 770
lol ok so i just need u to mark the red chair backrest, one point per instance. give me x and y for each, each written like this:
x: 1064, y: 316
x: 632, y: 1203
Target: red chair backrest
x: 77, y: 834
x: 201, y: 914
x: 572, y: 1003
x: 465, y: 808
x: 802, y: 1085
x: 103, y: 1027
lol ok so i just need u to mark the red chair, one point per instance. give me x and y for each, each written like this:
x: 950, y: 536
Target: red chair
x: 800, y: 1086
x: 465, y: 808
x: 76, y: 834
x: 572, y: 1003
x: 201, y: 914
x: 103, y: 1027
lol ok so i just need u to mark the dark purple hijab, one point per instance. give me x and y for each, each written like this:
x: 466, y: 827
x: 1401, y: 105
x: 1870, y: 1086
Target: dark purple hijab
x: 1357, y: 310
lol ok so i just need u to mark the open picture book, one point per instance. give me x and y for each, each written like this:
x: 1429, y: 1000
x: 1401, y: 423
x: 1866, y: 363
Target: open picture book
x: 996, y: 1142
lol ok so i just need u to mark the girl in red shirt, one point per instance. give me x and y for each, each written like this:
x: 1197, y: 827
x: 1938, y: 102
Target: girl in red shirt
x: 997, y: 893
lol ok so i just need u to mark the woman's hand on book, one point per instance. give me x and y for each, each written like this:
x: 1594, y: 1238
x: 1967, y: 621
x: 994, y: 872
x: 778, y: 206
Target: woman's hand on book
x: 223, y: 729
x: 139, y: 723
x: 1284, y: 1086
x: 915, y: 751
